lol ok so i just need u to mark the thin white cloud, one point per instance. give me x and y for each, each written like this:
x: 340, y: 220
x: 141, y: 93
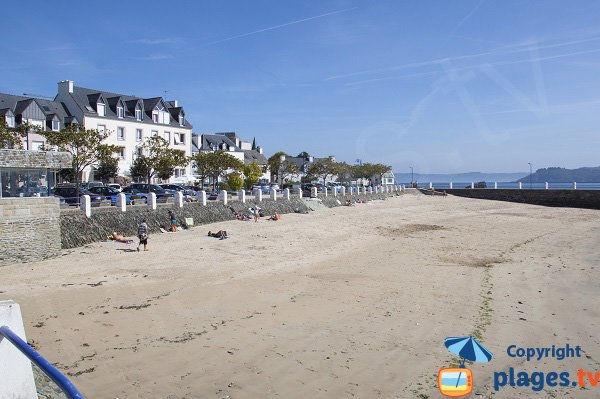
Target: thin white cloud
x: 524, y: 46
x: 277, y: 26
x: 152, y: 42
x: 466, y: 17
x: 154, y: 57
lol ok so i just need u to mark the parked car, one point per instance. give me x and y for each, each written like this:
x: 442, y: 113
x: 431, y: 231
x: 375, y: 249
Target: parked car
x: 115, y: 186
x: 111, y: 193
x: 69, y: 193
x: 178, y: 187
x: 91, y: 184
x: 275, y: 186
x: 140, y: 190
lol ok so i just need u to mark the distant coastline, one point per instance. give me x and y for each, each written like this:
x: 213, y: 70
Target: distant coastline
x: 460, y: 177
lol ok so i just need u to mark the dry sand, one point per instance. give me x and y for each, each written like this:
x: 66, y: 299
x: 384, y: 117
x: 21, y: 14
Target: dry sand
x: 346, y: 302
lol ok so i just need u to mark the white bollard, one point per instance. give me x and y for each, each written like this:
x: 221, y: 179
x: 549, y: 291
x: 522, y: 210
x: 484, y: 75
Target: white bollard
x: 179, y: 199
x: 202, y: 197
x: 495, y: 185
x: 16, y: 375
x: 299, y: 192
x: 258, y: 195
x: 376, y: 189
x: 273, y: 195
x: 325, y: 191
x: 121, y: 202
x: 335, y: 191
x: 546, y: 185
x: 520, y: 185
x: 242, y: 196
x: 313, y: 192
x: 223, y: 196
x: 85, y: 203
x: 574, y: 185
x: 286, y: 194
x: 370, y: 189
x: 430, y: 185
x: 351, y: 191
x: 152, y: 200
x: 343, y: 191
x: 472, y: 185
x: 450, y: 185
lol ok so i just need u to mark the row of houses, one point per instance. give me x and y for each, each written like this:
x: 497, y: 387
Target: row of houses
x: 129, y: 119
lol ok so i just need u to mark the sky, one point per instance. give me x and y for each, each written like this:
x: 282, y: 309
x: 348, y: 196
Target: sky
x: 442, y: 86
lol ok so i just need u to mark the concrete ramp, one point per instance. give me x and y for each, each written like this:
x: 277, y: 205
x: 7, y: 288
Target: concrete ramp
x: 16, y: 375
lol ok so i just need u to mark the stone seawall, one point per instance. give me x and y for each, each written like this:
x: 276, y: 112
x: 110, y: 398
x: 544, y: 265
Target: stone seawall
x: 29, y: 229
x: 78, y: 230
x: 589, y: 199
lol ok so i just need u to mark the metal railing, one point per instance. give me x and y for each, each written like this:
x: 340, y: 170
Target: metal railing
x: 59, y: 379
x: 507, y: 185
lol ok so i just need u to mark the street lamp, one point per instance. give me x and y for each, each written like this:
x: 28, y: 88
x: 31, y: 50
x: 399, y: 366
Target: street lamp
x: 530, y: 175
x: 412, y: 177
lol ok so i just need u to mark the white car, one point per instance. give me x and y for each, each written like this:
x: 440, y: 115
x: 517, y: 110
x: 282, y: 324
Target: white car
x: 115, y: 186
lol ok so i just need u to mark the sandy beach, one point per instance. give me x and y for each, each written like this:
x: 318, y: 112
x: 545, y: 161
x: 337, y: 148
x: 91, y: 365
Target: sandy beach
x: 345, y: 302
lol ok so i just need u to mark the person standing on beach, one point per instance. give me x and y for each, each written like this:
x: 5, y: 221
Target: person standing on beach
x: 172, y: 221
x: 143, y: 235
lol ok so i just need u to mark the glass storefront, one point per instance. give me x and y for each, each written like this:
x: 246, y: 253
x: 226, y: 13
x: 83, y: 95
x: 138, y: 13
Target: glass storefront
x: 20, y: 182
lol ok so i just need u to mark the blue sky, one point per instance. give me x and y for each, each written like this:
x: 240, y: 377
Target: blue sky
x: 443, y: 86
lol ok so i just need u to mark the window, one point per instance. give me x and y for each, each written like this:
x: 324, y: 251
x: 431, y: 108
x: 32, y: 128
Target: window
x: 120, y: 112
x: 55, y: 125
x: 181, y: 120
x: 155, y: 116
x: 138, y: 135
x: 102, y: 128
x: 36, y: 145
x: 122, y: 153
x: 100, y: 109
x: 138, y: 114
x: 139, y: 151
x: 179, y: 138
x: 168, y: 137
x: 155, y: 132
x: 120, y: 133
x: 10, y: 121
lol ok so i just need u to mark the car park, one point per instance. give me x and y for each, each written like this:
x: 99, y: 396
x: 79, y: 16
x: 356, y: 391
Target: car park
x: 109, y: 193
x: 141, y: 190
x: 69, y: 194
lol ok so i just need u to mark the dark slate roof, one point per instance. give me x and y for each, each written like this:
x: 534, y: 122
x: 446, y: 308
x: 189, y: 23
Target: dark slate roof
x: 18, y: 104
x: 210, y: 140
x: 88, y: 97
x: 251, y: 156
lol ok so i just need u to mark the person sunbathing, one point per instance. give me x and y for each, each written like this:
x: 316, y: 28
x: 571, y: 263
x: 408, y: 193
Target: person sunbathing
x: 275, y: 217
x: 221, y: 234
x: 119, y: 238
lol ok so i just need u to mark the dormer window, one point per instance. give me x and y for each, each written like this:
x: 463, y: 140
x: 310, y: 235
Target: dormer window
x: 10, y: 121
x: 120, y: 111
x: 55, y: 125
x: 159, y: 115
x: 181, y: 120
x: 138, y: 114
x: 100, y: 108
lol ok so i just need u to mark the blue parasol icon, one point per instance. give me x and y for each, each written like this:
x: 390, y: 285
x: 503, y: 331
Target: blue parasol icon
x: 468, y: 349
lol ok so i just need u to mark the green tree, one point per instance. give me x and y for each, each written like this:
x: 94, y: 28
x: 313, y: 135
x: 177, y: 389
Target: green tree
x: 304, y: 155
x: 107, y: 169
x: 274, y: 163
x: 159, y: 159
x: 287, y: 170
x: 202, y: 163
x: 140, y: 168
x: 322, y: 169
x: 252, y: 173
x: 86, y: 147
x: 219, y: 163
x: 12, y: 137
x: 234, y: 181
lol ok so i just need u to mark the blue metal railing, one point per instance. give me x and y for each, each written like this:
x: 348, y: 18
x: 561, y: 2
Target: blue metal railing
x: 59, y: 379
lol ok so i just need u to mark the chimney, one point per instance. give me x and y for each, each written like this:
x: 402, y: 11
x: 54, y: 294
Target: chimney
x: 260, y: 150
x: 174, y: 103
x: 65, y: 86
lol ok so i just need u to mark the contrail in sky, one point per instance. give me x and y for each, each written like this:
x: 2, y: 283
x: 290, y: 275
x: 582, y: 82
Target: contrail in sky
x: 279, y: 26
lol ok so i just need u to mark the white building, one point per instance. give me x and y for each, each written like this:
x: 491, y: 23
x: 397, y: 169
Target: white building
x: 229, y: 142
x: 130, y: 120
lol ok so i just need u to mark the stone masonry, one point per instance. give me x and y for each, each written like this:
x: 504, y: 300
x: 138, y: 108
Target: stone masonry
x: 34, y: 159
x: 29, y: 229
